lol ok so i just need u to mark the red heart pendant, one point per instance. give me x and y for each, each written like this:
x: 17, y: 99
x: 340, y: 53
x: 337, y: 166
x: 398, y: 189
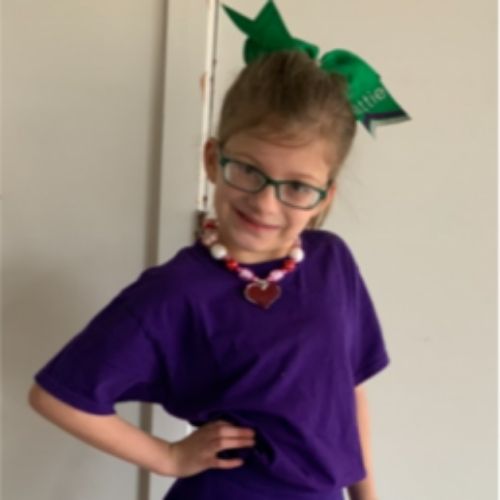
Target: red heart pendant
x: 262, y: 293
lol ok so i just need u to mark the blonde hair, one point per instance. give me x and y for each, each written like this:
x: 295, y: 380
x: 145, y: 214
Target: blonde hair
x: 286, y: 93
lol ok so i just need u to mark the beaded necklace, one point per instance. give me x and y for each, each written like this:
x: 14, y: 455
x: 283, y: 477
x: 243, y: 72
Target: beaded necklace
x: 259, y: 291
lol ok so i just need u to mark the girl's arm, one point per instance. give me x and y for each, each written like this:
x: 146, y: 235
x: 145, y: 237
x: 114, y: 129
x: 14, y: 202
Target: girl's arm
x: 109, y: 433
x: 364, y: 489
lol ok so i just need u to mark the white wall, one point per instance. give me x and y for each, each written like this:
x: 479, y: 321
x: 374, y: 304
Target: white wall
x: 417, y: 205
x: 81, y: 107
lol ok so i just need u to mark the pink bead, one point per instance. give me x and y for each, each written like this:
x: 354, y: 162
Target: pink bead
x: 246, y: 274
x: 276, y: 275
x: 209, y: 238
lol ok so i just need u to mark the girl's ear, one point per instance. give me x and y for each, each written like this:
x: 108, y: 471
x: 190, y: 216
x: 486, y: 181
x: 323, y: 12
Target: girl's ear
x: 210, y: 159
x: 331, y: 192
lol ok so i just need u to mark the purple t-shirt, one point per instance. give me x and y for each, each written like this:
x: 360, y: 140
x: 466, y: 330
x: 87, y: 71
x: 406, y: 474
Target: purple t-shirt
x: 183, y: 335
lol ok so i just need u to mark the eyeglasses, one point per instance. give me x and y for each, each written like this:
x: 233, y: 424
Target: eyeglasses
x: 250, y: 179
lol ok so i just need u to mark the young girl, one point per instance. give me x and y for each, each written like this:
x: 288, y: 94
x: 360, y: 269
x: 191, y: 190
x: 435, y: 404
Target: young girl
x: 260, y: 333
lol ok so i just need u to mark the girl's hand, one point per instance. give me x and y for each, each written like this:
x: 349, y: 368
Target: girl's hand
x: 197, y: 452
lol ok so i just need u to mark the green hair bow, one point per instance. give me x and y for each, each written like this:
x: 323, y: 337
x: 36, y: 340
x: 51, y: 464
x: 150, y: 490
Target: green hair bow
x: 372, y: 104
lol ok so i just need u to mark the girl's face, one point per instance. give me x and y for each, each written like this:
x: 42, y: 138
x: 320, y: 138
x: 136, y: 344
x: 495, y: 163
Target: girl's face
x: 256, y: 227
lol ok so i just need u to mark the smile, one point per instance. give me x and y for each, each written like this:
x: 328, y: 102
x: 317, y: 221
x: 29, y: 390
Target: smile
x: 253, y: 223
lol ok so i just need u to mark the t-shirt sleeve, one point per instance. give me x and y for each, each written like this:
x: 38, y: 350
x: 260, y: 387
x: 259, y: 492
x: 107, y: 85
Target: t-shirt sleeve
x: 367, y: 348
x: 112, y: 359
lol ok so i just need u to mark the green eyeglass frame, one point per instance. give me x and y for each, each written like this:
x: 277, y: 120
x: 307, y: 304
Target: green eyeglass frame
x: 322, y: 193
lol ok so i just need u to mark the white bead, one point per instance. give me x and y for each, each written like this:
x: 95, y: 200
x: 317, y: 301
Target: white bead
x: 218, y: 251
x: 276, y: 275
x: 297, y: 254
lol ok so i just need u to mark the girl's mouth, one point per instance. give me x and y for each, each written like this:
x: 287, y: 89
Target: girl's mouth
x: 253, y: 223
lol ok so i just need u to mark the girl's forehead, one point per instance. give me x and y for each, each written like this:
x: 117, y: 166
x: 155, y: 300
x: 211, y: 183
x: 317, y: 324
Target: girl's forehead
x: 303, y: 157
x: 269, y: 144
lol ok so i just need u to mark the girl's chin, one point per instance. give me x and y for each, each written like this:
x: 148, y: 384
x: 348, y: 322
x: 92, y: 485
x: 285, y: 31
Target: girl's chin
x: 249, y: 243
x: 239, y: 243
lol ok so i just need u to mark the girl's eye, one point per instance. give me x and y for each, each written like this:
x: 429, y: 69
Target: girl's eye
x: 246, y: 169
x: 299, y: 187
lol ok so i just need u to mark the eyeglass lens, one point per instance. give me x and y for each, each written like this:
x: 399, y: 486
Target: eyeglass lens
x: 248, y: 178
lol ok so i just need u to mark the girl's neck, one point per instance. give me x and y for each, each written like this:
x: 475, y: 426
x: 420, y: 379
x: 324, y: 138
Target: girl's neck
x: 250, y: 257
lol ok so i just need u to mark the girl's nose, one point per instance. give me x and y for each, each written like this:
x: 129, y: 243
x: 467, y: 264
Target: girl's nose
x: 266, y: 198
